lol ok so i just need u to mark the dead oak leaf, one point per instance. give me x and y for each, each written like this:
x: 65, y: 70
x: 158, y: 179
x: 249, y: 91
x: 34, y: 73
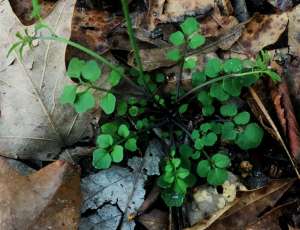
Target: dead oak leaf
x: 47, y: 199
x: 33, y: 124
x: 261, y: 31
x: 294, y: 31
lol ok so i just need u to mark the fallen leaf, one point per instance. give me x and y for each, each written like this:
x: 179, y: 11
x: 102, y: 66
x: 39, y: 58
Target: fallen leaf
x: 286, y: 117
x: 23, y: 9
x: 120, y: 187
x: 162, y: 11
x: 253, y: 203
x: 207, y: 202
x: 270, y: 220
x: 261, y: 31
x: 46, y: 199
x: 154, y: 220
x: 294, y: 31
x: 33, y: 124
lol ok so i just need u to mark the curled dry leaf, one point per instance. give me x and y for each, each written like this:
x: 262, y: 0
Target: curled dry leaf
x: 47, y: 199
x: 261, y: 31
x: 33, y: 124
x: 294, y: 31
x: 154, y: 220
x: 162, y: 11
x: 253, y: 203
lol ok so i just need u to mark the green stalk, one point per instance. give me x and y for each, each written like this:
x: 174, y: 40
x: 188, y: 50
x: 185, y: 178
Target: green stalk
x: 89, y: 52
x: 219, y: 79
x: 132, y: 39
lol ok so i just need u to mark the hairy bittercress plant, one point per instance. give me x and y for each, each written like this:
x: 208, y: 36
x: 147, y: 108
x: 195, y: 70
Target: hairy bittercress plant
x: 196, y: 146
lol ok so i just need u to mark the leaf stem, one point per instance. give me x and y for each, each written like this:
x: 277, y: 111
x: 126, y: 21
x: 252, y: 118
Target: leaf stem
x: 179, y: 77
x: 91, y: 53
x: 219, y: 79
x: 132, y: 39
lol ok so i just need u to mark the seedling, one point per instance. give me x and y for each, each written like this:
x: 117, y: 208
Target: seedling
x: 133, y: 118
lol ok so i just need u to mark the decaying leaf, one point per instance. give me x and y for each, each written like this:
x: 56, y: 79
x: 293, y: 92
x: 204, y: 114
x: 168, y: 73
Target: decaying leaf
x: 294, y: 31
x: 154, y: 220
x: 261, y: 31
x: 270, y: 220
x: 207, y: 201
x: 33, y: 124
x: 120, y: 188
x: 253, y: 203
x: 46, y: 199
x: 162, y: 11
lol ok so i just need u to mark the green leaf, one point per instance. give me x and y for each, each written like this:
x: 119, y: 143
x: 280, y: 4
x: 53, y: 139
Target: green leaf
x: 117, y: 154
x: 196, y: 155
x: 216, y: 90
x: 190, y: 63
x: 173, y: 55
x: 251, y: 137
x: 183, y: 108
x: 36, y: 10
x: 180, y: 186
x: 185, y: 150
x: 131, y: 145
x: 273, y: 75
x: 221, y: 160
x: 198, y: 78
x: 213, y: 67
x: 123, y: 131
x: 208, y: 110
x: 91, y: 71
x: 101, y: 159
x: 196, y: 41
x: 233, y: 65
x: 189, y: 26
x: 217, y: 176
x: 160, y: 77
x: 108, y: 103
x: 195, y: 134
x: 204, y: 127
x: 248, y: 80
x: 242, y: 118
x: 133, y: 111
x: 203, y: 168
x: 75, y: 67
x: 210, y: 139
x: 114, y: 78
x: 172, y: 199
x: 228, y: 131
x: 68, y: 95
x: 182, y: 173
x: 199, y: 144
x: 232, y: 86
x: 177, y: 38
x: 204, y: 98
x: 176, y: 162
x: 109, y: 128
x: 228, y: 110
x: 104, y: 140
x: 122, y: 108
x: 84, y: 101
x: 132, y: 100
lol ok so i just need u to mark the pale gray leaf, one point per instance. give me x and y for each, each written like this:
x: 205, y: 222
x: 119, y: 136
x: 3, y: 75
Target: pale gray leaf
x: 33, y: 123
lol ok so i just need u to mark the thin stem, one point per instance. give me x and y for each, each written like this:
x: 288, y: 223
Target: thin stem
x: 218, y: 79
x: 132, y: 39
x: 182, y: 128
x: 179, y: 78
x: 91, y: 53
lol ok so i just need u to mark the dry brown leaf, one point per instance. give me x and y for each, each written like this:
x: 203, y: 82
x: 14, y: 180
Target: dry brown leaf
x: 294, y: 31
x: 23, y: 9
x: 261, y: 31
x: 47, y: 199
x: 162, y: 11
x: 270, y: 220
x: 154, y: 220
x: 33, y: 124
x: 252, y: 203
x: 286, y: 116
